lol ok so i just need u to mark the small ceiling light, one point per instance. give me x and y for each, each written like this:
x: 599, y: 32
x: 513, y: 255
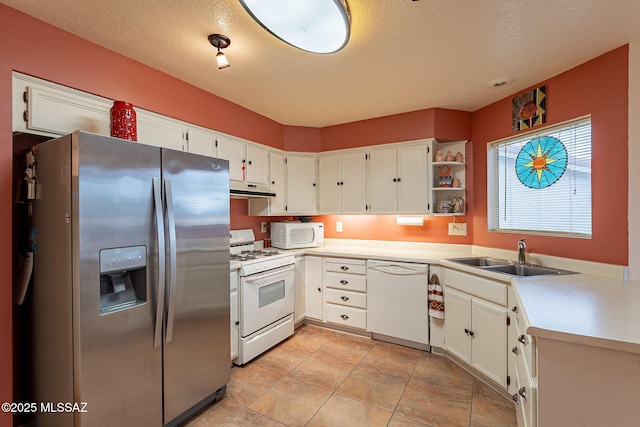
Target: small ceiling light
x: 220, y: 41
x: 317, y: 26
x: 501, y: 82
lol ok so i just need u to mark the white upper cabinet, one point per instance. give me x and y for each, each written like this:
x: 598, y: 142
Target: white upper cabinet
x: 233, y: 150
x: 248, y: 162
x: 273, y: 205
x: 342, y: 180
x: 48, y: 109
x: 301, y: 184
x: 202, y: 141
x: 257, y: 164
x: 277, y: 183
x: 397, y: 179
x: 161, y: 131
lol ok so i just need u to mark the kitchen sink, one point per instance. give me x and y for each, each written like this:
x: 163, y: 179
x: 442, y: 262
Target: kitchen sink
x: 482, y: 261
x: 527, y: 270
x: 504, y: 266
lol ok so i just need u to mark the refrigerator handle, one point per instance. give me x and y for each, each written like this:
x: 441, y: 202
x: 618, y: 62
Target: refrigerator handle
x: 171, y: 222
x: 157, y: 203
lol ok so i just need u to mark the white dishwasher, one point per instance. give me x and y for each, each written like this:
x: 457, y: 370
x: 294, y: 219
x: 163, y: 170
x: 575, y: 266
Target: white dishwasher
x: 397, y: 301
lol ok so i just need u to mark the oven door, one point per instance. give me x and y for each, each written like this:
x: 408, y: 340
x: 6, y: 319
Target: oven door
x: 265, y: 298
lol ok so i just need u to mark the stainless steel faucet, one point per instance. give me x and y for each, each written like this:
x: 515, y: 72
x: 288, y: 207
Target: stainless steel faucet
x: 521, y: 247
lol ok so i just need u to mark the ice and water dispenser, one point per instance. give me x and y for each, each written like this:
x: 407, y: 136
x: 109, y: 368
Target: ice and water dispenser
x: 123, y: 278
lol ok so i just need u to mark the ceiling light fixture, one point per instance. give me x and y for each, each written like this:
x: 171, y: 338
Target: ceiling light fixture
x: 220, y: 41
x: 501, y: 82
x: 317, y: 26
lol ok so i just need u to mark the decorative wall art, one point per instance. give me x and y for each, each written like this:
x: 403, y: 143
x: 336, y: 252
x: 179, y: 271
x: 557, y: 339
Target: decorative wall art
x: 529, y: 109
x: 541, y: 162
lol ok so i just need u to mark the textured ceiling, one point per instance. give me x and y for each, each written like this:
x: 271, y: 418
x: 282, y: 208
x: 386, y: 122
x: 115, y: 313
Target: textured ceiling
x: 402, y: 56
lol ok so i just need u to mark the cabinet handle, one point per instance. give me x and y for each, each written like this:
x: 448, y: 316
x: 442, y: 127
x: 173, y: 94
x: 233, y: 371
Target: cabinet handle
x: 514, y: 350
x: 522, y: 339
x: 466, y: 331
x: 522, y: 392
x: 344, y: 282
x: 344, y: 268
x: 344, y: 317
x: 514, y: 309
x: 515, y: 397
x: 344, y: 298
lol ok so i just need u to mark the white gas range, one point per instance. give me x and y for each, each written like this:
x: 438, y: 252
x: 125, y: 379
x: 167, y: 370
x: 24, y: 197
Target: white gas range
x: 266, y: 297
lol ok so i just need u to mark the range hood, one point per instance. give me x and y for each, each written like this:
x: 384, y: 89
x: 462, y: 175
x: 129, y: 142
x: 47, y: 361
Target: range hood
x: 241, y: 190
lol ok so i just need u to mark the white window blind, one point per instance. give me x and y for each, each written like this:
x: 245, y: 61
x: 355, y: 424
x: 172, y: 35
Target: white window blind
x: 555, y: 200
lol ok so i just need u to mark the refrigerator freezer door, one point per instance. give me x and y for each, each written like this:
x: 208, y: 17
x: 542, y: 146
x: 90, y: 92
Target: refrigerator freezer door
x: 196, y: 358
x: 95, y: 196
x: 118, y: 363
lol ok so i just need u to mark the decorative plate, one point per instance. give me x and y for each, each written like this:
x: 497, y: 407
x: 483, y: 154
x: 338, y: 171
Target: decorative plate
x: 541, y: 162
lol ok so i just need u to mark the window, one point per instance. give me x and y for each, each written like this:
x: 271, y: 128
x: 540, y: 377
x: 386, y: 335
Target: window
x: 540, y: 182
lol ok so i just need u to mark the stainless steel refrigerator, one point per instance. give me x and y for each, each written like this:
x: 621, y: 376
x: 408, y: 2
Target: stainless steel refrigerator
x: 130, y: 296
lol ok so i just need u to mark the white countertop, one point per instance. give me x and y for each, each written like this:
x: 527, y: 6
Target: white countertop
x: 583, y: 309
x: 579, y: 308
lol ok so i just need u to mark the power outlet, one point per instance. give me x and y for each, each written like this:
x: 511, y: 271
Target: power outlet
x: 457, y: 229
x: 339, y: 226
x: 263, y: 227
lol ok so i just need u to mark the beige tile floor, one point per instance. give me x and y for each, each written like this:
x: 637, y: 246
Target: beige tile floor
x: 320, y: 377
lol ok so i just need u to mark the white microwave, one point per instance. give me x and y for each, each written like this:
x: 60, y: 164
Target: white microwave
x: 295, y: 235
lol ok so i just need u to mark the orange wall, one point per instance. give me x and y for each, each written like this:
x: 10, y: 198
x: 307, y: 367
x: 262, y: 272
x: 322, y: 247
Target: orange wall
x: 599, y: 88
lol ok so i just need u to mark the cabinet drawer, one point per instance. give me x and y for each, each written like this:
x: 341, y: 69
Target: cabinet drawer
x: 479, y: 286
x: 340, y: 297
x: 344, y: 265
x: 347, y: 316
x: 345, y: 281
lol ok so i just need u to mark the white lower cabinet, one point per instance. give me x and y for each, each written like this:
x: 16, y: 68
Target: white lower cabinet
x: 345, y: 284
x: 313, y: 288
x: 234, y: 313
x: 476, y: 328
x: 299, y: 308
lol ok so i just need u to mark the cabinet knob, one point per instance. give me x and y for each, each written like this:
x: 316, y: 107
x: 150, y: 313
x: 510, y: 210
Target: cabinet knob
x: 514, y: 309
x: 395, y: 180
x: 522, y: 339
x: 338, y: 183
x: 344, y: 282
x: 344, y: 268
x: 466, y: 331
x: 314, y: 184
x: 319, y: 290
x: 399, y: 180
x: 472, y: 333
x: 344, y: 298
x: 249, y: 161
x: 237, y: 322
x: 344, y: 317
x: 522, y: 392
x: 273, y: 182
x: 341, y: 183
x: 514, y: 350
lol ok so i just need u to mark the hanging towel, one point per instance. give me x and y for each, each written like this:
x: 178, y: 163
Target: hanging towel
x: 436, y: 298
